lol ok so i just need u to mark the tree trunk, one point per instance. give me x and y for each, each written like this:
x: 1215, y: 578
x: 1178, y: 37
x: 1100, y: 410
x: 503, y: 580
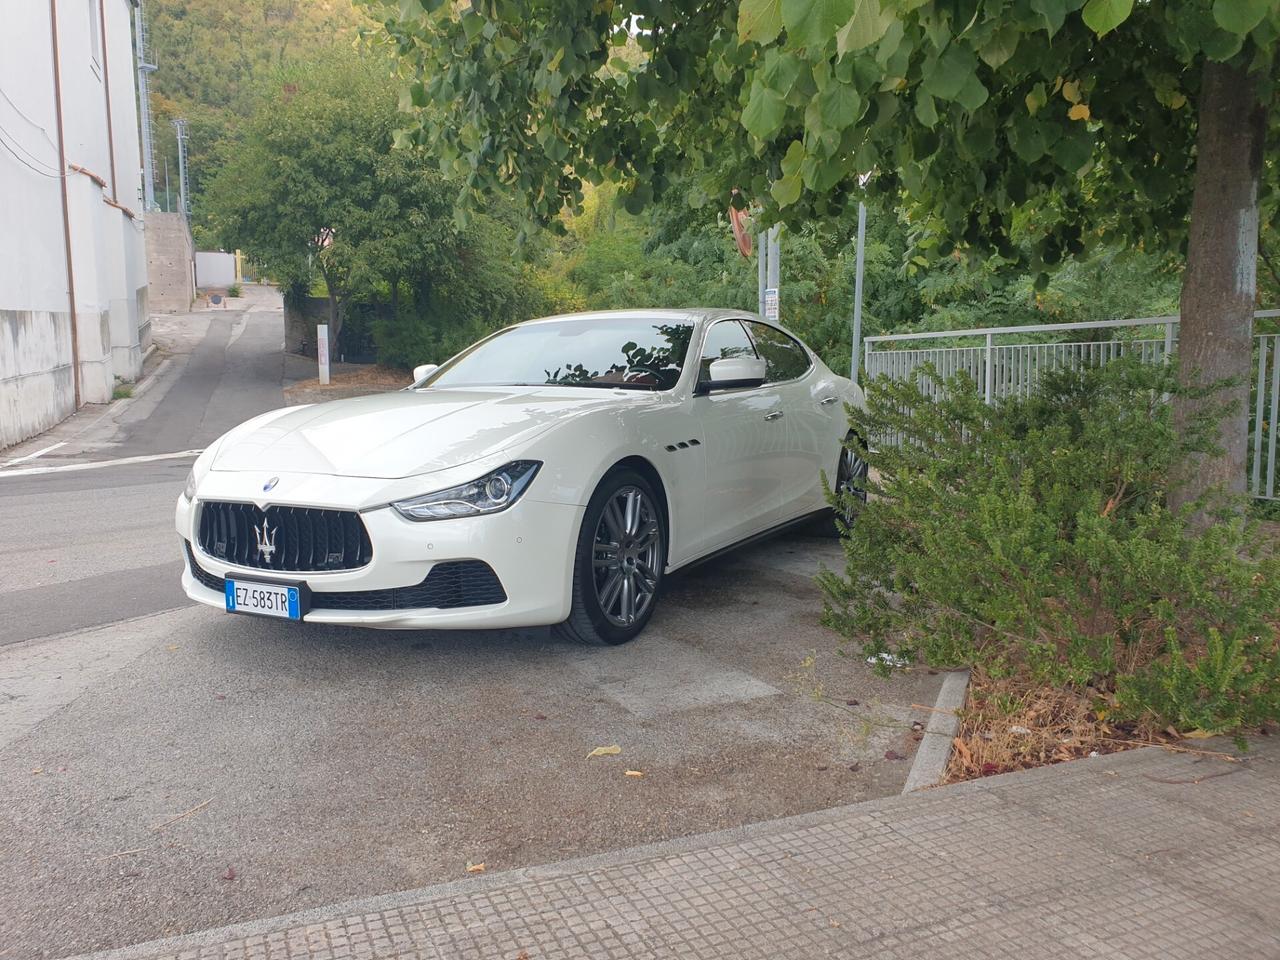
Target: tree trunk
x: 1220, y: 284
x: 335, y: 311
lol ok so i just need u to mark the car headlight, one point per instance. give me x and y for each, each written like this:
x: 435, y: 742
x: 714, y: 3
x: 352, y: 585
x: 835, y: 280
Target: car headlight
x: 190, y: 491
x: 492, y: 493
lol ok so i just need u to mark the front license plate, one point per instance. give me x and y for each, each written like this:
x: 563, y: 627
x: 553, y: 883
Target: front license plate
x: 265, y: 599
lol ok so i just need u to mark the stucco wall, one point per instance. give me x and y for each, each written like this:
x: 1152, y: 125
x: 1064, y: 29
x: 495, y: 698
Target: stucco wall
x: 108, y: 253
x: 170, y: 259
x: 301, y: 315
x: 35, y: 387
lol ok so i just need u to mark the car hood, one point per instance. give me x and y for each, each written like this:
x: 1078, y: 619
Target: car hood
x: 406, y: 433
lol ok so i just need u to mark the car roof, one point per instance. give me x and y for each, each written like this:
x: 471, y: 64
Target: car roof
x: 690, y: 314
x: 694, y: 315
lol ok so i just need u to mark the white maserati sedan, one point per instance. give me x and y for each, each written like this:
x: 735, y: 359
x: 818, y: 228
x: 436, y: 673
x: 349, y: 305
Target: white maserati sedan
x: 553, y: 473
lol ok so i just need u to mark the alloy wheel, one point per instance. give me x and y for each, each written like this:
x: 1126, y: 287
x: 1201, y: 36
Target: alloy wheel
x: 851, y: 476
x: 626, y: 555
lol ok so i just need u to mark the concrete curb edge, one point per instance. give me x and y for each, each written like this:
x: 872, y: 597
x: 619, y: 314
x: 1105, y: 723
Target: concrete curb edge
x: 934, y: 751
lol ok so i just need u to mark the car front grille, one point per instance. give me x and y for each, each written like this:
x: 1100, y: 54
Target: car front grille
x: 301, y: 539
x: 449, y: 585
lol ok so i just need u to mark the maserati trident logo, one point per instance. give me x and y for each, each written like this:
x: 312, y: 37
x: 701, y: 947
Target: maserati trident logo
x: 266, y: 538
x: 270, y: 484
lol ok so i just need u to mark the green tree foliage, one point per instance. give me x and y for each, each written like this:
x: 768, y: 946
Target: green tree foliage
x: 1032, y: 538
x: 313, y: 189
x: 978, y: 109
x: 1086, y: 118
x: 671, y: 256
x: 214, y: 57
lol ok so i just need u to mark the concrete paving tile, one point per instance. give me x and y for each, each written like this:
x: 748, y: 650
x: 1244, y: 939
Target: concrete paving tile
x: 1091, y: 861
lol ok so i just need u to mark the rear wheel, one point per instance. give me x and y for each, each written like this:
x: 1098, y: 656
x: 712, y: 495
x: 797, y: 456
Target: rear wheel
x: 618, y: 563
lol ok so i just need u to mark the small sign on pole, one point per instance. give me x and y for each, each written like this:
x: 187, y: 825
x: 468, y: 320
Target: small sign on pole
x: 771, y: 304
x: 322, y: 351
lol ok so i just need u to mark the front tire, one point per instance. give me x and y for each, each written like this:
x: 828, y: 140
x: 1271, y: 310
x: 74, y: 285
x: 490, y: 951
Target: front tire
x: 618, y: 562
x: 851, y: 485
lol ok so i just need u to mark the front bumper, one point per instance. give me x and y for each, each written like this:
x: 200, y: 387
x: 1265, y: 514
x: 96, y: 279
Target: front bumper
x: 530, y: 548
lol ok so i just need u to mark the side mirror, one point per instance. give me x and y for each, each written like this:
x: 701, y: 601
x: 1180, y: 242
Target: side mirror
x: 424, y: 370
x: 733, y: 372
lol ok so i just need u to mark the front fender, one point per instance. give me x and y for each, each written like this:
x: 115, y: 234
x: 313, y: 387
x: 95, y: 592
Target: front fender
x: 577, y: 456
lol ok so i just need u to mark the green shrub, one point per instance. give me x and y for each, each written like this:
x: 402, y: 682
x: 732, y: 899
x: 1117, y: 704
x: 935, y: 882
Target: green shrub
x: 1031, y: 538
x: 234, y: 290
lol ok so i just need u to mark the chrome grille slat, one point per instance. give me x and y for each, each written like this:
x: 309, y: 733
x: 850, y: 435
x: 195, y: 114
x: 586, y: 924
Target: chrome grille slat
x: 306, y: 539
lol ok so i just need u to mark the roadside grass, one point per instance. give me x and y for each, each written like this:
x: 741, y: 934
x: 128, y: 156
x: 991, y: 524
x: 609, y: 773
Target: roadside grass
x: 1009, y: 725
x: 122, y: 391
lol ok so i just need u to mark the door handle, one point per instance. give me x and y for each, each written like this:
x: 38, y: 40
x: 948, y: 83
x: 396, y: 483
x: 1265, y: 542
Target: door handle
x: 776, y: 415
x: 825, y: 400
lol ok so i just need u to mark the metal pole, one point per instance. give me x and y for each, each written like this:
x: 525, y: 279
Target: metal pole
x: 180, y: 128
x: 991, y: 370
x: 762, y: 269
x: 774, y: 264
x: 166, y: 186
x: 857, y: 293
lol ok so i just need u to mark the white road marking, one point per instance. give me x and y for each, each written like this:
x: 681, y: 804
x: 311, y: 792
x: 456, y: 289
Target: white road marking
x: 32, y: 456
x: 96, y: 464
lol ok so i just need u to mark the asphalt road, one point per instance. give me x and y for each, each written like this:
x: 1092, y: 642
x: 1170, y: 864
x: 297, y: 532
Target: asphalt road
x: 166, y: 767
x: 90, y: 547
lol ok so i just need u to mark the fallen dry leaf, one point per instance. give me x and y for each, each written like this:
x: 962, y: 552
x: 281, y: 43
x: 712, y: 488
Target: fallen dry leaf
x: 635, y: 773
x: 475, y: 867
x: 610, y: 751
x: 230, y: 874
x: 893, y: 755
x: 962, y: 749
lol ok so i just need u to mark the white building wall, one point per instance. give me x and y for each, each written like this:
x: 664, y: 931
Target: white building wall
x: 37, y: 386
x: 215, y: 268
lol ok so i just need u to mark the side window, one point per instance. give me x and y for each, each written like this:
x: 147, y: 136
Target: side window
x: 784, y: 358
x: 725, y: 339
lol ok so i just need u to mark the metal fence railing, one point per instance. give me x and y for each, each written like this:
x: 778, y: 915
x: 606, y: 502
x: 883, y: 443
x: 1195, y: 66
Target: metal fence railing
x: 1008, y: 361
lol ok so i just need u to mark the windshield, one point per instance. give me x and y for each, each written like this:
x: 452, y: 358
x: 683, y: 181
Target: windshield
x: 629, y: 354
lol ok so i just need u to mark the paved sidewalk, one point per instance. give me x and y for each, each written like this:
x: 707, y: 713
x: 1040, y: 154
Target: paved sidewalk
x: 1141, y: 854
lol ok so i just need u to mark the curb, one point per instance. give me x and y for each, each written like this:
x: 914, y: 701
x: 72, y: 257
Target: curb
x: 934, y: 751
